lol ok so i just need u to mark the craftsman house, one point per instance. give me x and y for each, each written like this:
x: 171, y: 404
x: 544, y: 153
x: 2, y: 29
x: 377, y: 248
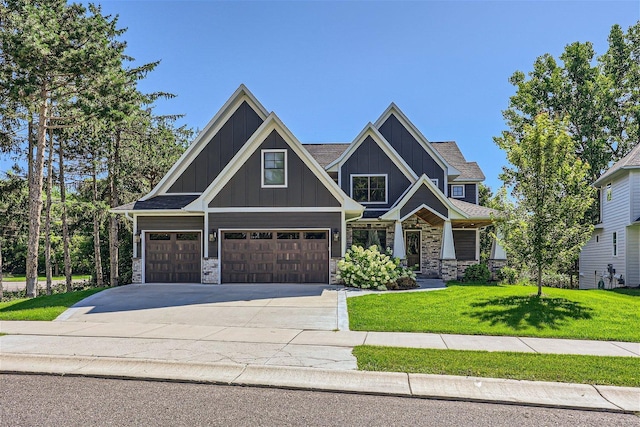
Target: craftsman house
x: 613, y: 252
x: 248, y: 203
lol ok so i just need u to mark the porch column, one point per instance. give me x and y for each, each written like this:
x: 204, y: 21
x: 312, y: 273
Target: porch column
x: 448, y: 248
x: 497, y: 251
x: 399, y: 250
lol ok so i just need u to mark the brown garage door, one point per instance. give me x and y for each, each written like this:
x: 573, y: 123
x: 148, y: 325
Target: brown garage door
x: 275, y: 256
x: 172, y: 257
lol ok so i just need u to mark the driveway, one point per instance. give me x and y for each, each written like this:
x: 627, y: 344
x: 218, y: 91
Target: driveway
x: 283, y: 306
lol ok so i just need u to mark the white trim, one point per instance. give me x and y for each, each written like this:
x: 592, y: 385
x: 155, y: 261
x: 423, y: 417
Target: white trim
x: 273, y: 150
x: 206, y: 236
x: 275, y: 229
x: 270, y: 209
x: 270, y: 124
x: 419, y: 230
x: 453, y: 193
x: 144, y: 248
x: 159, y: 212
x: 418, y: 136
x: 435, y: 181
x: 370, y: 130
x: 135, y: 230
x: 200, y: 142
x: 369, y: 175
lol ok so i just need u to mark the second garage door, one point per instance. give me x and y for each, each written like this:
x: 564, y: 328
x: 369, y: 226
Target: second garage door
x: 260, y: 256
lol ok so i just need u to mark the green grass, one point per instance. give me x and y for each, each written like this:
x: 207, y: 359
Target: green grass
x: 42, y: 279
x: 503, y: 310
x: 46, y: 307
x: 619, y: 371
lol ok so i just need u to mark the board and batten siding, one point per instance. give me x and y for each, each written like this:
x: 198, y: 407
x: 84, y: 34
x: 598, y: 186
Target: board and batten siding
x: 304, y: 189
x: 370, y: 159
x: 218, y: 151
x: 411, y: 150
x: 169, y: 223
x: 615, y: 218
x: 470, y: 193
x: 276, y: 221
x: 424, y: 196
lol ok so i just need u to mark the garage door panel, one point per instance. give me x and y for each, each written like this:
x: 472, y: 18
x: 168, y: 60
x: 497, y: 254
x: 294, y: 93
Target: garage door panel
x: 275, y: 256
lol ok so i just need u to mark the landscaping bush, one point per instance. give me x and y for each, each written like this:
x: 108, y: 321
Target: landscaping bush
x: 370, y: 269
x: 477, y: 273
x: 508, y: 275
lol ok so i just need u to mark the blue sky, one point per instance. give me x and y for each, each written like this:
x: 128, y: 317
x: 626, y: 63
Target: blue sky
x: 328, y: 68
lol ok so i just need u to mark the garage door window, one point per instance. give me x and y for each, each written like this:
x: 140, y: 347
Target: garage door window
x: 187, y: 236
x: 288, y: 236
x: 235, y: 236
x: 315, y: 236
x: 159, y: 236
x: 261, y: 236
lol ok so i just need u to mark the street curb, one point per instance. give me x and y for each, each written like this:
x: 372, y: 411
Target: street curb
x: 444, y: 387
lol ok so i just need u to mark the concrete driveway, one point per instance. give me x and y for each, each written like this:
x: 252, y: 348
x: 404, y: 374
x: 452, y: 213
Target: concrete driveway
x: 282, y: 306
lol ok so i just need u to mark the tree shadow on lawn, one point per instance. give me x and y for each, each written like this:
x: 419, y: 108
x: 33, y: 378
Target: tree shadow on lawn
x: 522, y: 312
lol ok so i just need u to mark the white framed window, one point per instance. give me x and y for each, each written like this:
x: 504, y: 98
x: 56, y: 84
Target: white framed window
x: 615, y: 244
x: 457, y: 191
x: 274, y: 168
x: 608, y: 193
x: 435, y: 181
x: 369, y: 188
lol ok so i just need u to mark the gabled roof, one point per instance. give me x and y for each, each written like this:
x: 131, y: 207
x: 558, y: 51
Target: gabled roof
x: 325, y: 153
x: 242, y: 94
x: 272, y: 123
x: 394, y: 110
x: 371, y: 131
x: 473, y: 211
x: 424, y: 180
x: 630, y: 161
x: 469, y: 171
x: 164, y: 202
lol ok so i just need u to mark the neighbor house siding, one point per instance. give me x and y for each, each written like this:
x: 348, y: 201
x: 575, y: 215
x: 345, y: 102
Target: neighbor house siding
x: 218, y: 151
x: 304, y: 189
x: 275, y: 221
x: 411, y: 150
x: 424, y: 196
x: 370, y: 159
x: 634, y: 183
x: 615, y: 218
x: 633, y: 256
x: 470, y: 194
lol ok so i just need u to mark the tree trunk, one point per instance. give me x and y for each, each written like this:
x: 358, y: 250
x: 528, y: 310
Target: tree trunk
x: 35, y: 200
x: 96, y: 230
x: 47, y: 212
x: 1, y: 284
x: 114, y: 168
x: 65, y: 226
x: 539, y: 281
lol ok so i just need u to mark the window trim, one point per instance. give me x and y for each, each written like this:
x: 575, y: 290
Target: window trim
x: 608, y: 193
x: 435, y: 181
x: 286, y: 175
x: 463, y: 191
x: 370, y: 175
x: 614, y: 241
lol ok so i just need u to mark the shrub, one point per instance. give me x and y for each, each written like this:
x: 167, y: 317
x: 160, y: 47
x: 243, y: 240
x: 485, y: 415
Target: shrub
x: 370, y: 269
x: 477, y: 273
x: 508, y: 275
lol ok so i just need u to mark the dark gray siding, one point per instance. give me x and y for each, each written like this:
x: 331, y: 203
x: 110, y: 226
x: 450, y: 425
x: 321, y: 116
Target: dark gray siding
x: 426, y: 196
x: 469, y: 192
x: 275, y: 221
x: 218, y: 152
x: 169, y: 223
x: 304, y: 189
x: 370, y: 159
x: 411, y: 150
x: 465, y: 244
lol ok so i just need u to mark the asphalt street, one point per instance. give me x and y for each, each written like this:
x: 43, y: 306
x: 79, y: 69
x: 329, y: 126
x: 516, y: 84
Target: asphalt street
x: 29, y: 400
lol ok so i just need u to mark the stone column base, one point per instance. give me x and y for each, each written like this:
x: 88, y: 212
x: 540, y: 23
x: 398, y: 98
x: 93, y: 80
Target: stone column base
x: 449, y: 269
x: 210, y: 271
x: 136, y: 270
x: 494, y: 267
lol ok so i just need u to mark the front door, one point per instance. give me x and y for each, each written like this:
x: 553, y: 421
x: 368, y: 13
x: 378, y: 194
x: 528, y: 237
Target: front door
x: 412, y: 243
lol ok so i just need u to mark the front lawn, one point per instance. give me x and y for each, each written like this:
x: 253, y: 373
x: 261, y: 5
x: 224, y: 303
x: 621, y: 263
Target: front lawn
x: 42, y: 279
x: 46, y: 307
x: 503, y: 310
x: 618, y: 371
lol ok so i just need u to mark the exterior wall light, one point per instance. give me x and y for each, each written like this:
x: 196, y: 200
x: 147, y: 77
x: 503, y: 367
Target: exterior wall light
x: 213, y: 236
x: 136, y: 237
x: 336, y: 234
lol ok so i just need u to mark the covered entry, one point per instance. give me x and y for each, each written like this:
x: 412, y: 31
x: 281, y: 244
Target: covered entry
x: 172, y: 257
x: 275, y: 256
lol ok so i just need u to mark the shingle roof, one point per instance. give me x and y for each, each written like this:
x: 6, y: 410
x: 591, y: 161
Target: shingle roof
x: 159, y: 202
x: 325, y: 153
x: 452, y: 154
x: 474, y: 211
x: 630, y: 161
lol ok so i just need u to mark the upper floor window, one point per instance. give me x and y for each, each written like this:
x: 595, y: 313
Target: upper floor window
x: 274, y: 168
x: 608, y: 193
x: 369, y: 188
x: 457, y: 191
x: 435, y: 181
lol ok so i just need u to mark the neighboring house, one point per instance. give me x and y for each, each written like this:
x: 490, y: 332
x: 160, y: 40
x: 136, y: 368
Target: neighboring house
x: 248, y: 203
x: 616, y: 238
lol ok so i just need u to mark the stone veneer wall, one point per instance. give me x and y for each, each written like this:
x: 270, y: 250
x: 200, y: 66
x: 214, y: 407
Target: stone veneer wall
x: 333, y: 269
x: 431, y: 245
x: 495, y: 265
x: 210, y: 271
x: 136, y: 270
x: 449, y: 269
